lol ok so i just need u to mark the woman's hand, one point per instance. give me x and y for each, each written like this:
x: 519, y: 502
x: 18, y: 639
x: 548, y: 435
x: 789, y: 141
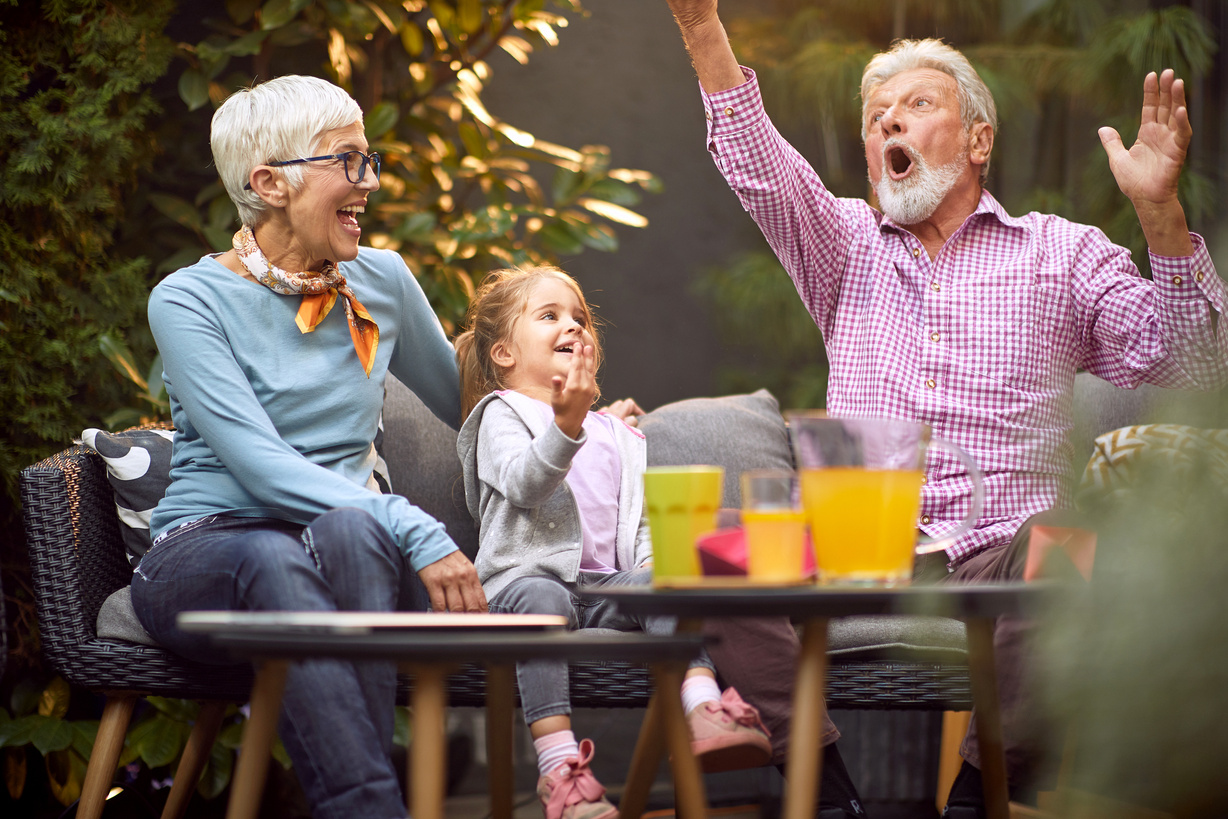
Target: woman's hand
x: 626, y: 409
x: 453, y: 585
x: 572, y: 396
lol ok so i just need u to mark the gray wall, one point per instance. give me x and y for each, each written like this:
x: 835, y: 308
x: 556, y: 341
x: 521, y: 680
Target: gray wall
x: 621, y: 77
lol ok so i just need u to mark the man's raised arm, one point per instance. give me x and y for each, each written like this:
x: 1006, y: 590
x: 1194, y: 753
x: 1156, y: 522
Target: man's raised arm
x: 1147, y: 173
x: 707, y: 44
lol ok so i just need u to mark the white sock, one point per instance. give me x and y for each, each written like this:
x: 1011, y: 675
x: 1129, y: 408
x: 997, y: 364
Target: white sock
x: 554, y: 749
x: 698, y: 689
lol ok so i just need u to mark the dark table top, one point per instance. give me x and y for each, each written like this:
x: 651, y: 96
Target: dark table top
x: 287, y: 635
x: 726, y: 599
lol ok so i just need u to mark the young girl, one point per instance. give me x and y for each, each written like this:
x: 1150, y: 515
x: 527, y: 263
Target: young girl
x: 558, y: 494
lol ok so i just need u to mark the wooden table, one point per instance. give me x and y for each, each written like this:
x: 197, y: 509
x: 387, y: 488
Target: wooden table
x: 977, y: 605
x: 429, y: 646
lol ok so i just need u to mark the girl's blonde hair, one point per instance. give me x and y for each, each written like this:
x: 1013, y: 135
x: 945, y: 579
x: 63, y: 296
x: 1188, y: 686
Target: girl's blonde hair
x: 499, y: 303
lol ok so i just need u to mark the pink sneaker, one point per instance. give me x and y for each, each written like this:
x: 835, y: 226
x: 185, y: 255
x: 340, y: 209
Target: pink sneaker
x: 571, y: 791
x: 729, y: 734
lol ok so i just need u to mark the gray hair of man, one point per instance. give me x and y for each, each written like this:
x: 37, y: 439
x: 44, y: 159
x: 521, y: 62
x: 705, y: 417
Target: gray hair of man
x: 283, y: 118
x: 975, y: 101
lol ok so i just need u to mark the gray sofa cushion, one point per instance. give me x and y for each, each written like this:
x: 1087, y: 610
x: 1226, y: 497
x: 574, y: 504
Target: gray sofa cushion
x: 737, y: 432
x: 911, y: 638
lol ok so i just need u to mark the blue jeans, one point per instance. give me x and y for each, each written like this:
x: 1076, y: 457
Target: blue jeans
x: 336, y: 716
x: 544, y: 684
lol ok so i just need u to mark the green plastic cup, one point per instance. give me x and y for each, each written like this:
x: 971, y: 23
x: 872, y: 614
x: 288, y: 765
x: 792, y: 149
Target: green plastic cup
x: 682, y: 503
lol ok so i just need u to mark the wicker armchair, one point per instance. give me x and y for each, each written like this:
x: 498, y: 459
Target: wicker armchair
x: 77, y: 560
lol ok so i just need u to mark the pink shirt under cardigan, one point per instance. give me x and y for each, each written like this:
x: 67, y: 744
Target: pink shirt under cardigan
x: 982, y: 343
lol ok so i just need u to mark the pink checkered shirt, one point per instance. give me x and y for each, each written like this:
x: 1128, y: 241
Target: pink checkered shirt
x: 981, y: 343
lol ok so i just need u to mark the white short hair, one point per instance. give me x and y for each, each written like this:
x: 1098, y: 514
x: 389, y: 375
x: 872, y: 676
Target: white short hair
x: 975, y: 100
x: 276, y: 120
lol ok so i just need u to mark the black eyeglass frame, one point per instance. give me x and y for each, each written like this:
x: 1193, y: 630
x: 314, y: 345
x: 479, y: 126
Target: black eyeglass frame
x: 373, y: 159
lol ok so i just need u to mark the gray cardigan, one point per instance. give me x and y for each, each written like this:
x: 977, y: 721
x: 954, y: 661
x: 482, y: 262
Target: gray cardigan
x: 515, y: 488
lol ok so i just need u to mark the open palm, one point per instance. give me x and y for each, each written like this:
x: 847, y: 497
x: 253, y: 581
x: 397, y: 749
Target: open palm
x: 1148, y: 171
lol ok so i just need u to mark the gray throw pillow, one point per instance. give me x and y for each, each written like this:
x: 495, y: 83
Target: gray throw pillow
x: 737, y: 432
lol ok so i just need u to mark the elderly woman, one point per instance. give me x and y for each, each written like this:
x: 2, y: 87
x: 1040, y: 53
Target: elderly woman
x: 276, y: 397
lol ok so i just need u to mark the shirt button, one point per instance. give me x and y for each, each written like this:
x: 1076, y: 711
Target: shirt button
x: 934, y: 286
x: 1198, y: 276
x: 931, y: 383
x: 916, y: 251
x: 1176, y: 280
x: 934, y: 337
x: 925, y: 518
x: 924, y: 479
x: 729, y: 111
x: 708, y: 115
x: 550, y: 525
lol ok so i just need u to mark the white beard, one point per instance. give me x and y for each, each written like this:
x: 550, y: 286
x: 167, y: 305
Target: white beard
x: 914, y: 198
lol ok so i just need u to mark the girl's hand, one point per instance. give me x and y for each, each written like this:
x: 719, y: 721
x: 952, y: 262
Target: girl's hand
x: 573, y: 396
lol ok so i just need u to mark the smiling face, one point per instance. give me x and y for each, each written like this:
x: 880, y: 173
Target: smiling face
x: 915, y: 139
x: 543, y: 338
x: 319, y: 220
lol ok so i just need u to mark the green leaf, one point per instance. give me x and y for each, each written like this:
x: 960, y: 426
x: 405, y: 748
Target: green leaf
x: 381, y: 119
x: 241, y: 11
x: 178, y: 259
x: 181, y: 710
x: 53, y: 702
x: 277, y: 13
x: 248, y: 45
x: 51, y: 734
x: 193, y: 88
x: 278, y: 752
x: 469, y: 15
x: 17, y: 732
x: 411, y: 39
x: 402, y: 727
x: 600, y: 237
x: 159, y: 740
x: 218, y: 770
x: 567, y: 185
x: 84, y: 732
x: 612, y: 190
x: 558, y: 237
x: 117, y: 352
x: 176, y: 209
x: 220, y: 239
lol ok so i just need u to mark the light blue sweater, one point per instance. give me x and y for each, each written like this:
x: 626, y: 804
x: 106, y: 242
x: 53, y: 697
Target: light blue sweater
x: 275, y: 423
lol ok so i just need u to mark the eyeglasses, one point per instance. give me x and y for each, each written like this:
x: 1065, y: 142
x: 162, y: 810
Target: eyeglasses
x: 355, y: 163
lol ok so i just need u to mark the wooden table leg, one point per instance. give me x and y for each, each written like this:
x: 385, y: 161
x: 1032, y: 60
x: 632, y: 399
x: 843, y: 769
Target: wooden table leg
x: 428, y: 769
x: 690, y: 799
x: 804, y: 767
x: 258, y: 736
x: 500, y: 713
x: 988, y: 716
x: 645, y: 761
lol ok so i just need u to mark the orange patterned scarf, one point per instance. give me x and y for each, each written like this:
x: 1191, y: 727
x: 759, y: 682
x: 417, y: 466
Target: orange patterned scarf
x: 319, y: 290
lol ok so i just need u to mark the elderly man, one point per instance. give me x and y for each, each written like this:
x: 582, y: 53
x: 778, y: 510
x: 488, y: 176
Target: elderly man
x: 942, y: 308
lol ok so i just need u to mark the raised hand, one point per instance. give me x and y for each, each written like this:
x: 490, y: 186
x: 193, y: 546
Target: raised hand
x: 1148, y: 171
x: 572, y: 396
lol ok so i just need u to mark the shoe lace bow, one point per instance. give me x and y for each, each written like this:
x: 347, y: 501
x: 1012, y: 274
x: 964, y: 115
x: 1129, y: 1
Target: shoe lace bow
x: 740, y: 710
x: 577, y: 784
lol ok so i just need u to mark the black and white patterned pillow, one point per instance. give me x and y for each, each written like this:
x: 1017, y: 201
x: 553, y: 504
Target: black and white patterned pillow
x: 138, y: 466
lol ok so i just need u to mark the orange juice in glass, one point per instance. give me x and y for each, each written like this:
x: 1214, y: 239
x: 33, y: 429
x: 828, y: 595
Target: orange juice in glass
x: 861, y: 484
x: 774, y: 524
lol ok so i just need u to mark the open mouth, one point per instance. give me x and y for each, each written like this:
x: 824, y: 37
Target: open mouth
x: 899, y: 162
x: 349, y: 215
x: 566, y: 348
